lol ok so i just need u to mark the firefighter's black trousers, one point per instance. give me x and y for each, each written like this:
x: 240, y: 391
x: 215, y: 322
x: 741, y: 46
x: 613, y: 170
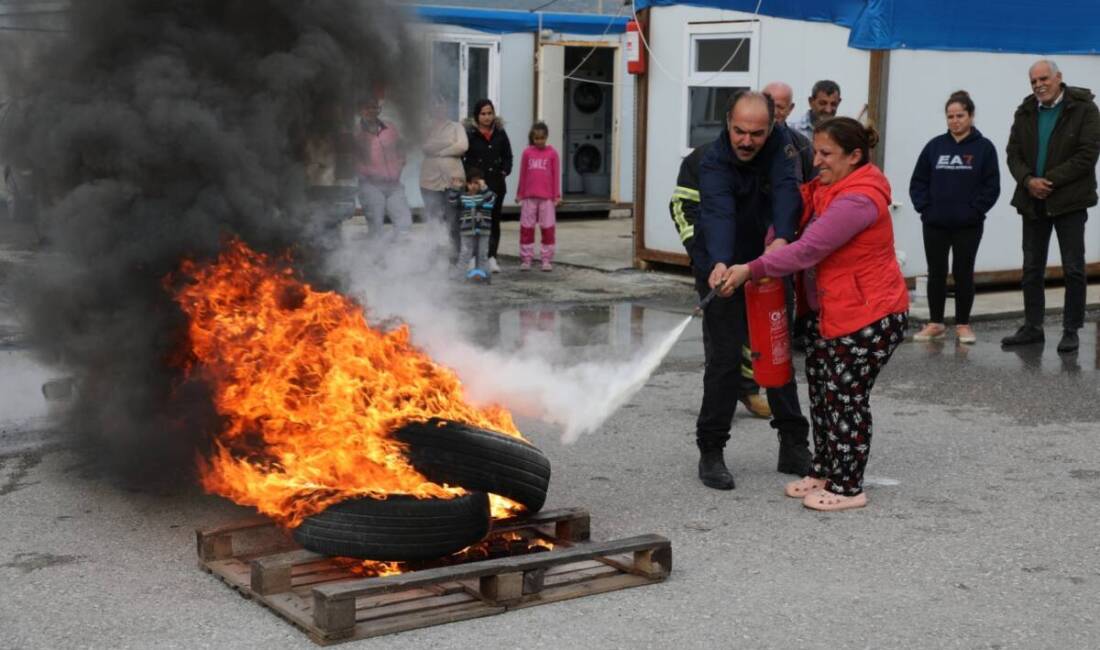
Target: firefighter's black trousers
x: 725, y: 330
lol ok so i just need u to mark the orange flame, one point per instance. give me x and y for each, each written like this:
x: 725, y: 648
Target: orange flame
x: 510, y: 544
x: 308, y: 391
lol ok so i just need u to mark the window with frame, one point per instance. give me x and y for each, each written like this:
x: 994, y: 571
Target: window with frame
x: 464, y: 70
x: 722, y: 59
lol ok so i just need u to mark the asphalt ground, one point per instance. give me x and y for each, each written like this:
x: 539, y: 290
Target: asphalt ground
x: 981, y: 532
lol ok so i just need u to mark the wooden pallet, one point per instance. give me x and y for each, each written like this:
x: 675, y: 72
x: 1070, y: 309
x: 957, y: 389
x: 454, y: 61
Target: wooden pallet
x: 321, y: 596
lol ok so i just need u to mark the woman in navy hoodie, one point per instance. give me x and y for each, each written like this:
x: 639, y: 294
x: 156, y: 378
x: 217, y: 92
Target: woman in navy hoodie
x: 956, y: 181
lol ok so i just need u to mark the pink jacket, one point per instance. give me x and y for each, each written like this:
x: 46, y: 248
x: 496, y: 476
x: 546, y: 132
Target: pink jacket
x: 380, y: 155
x: 539, y: 174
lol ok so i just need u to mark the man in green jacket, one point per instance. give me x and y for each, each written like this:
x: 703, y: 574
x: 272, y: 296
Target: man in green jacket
x: 1052, y: 153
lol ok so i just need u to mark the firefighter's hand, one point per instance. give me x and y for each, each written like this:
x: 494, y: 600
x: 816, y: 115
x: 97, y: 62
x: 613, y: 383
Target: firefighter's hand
x: 717, y: 275
x: 776, y: 244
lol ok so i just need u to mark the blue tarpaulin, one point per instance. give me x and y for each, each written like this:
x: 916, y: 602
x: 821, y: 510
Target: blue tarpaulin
x: 1026, y: 26
x: 505, y: 22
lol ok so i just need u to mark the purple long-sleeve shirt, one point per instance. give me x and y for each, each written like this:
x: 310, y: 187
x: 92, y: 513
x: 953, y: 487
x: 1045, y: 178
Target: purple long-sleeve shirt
x: 846, y: 217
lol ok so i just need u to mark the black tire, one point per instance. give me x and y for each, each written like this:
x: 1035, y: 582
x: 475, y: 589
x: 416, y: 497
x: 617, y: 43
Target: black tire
x: 478, y: 459
x: 397, y: 528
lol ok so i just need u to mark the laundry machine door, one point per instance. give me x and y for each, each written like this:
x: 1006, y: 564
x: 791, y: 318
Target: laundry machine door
x: 586, y: 106
x: 588, y: 159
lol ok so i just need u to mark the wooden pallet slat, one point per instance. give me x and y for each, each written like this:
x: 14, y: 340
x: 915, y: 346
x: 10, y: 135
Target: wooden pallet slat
x: 323, y: 597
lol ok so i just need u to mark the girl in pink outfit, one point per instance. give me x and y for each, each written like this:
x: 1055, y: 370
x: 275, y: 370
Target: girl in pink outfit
x: 538, y: 194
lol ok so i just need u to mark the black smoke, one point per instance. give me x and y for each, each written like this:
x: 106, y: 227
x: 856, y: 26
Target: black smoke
x: 155, y: 129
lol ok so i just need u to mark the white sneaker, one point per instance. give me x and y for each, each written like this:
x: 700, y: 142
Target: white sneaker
x: 471, y: 264
x: 493, y: 266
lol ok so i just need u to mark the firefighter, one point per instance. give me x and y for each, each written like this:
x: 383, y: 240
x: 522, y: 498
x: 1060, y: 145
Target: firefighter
x: 747, y: 181
x: 684, y: 207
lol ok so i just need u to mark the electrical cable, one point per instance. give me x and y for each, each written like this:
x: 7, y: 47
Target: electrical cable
x: 672, y: 77
x: 543, y: 6
x: 592, y: 51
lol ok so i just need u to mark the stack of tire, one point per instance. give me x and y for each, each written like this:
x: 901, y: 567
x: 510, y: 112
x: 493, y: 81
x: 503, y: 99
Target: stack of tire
x: 402, y: 528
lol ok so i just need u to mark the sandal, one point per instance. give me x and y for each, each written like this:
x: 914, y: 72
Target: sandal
x: 931, y: 332
x: 803, y: 486
x: 965, y: 334
x: 827, y: 501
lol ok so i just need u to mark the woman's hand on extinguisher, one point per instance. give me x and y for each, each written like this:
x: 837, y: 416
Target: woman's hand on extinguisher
x: 737, y: 275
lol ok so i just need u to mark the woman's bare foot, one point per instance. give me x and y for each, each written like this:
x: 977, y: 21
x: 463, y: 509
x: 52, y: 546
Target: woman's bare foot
x: 827, y: 501
x: 803, y: 486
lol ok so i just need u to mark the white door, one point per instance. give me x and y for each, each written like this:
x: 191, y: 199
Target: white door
x: 551, y: 100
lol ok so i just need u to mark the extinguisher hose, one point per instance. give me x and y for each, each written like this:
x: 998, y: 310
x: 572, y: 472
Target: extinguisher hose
x: 698, y: 311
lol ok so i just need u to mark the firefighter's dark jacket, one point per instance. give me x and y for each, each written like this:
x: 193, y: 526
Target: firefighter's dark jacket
x: 684, y: 205
x: 722, y: 207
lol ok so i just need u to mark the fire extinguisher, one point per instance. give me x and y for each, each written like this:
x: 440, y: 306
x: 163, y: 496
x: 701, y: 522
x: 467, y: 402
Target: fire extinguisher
x: 766, y: 302
x: 635, y: 56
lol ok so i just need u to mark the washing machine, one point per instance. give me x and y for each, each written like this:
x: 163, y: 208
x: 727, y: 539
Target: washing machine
x: 586, y: 160
x: 589, y: 106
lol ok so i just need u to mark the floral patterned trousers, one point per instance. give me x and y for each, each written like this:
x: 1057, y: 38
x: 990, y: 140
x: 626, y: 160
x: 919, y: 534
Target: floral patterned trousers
x: 840, y: 373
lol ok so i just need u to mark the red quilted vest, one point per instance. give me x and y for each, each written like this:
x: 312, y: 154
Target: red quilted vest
x: 861, y: 281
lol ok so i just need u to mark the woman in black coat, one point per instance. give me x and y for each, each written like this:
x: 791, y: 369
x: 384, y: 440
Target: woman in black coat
x: 491, y: 152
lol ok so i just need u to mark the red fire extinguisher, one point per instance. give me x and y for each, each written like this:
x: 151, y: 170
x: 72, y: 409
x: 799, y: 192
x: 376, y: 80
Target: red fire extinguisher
x: 635, y: 56
x: 766, y: 302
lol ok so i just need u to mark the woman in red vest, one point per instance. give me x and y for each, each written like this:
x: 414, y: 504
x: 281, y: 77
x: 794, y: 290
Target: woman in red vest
x: 853, y: 288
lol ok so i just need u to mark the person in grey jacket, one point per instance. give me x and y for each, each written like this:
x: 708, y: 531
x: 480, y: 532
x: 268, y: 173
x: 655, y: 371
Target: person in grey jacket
x: 824, y: 102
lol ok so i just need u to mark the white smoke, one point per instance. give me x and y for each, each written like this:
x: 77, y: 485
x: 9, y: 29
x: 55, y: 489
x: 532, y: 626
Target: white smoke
x: 410, y: 281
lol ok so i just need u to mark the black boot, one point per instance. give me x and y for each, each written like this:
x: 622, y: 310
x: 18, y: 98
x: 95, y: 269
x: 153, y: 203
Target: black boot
x: 1026, y: 335
x: 712, y: 468
x: 794, y: 454
x: 1069, y: 342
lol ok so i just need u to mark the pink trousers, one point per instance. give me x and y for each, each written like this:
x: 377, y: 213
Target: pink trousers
x: 534, y: 212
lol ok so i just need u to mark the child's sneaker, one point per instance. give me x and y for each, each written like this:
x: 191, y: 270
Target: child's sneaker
x: 525, y: 265
x: 547, y: 266
x: 493, y: 266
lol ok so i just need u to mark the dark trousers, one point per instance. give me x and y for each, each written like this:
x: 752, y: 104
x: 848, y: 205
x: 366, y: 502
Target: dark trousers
x: 840, y: 373
x: 725, y: 330
x: 962, y: 246
x: 1070, y: 228
x: 500, y: 189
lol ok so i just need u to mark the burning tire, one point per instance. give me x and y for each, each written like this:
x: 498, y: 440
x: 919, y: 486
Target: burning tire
x: 397, y: 528
x: 478, y: 459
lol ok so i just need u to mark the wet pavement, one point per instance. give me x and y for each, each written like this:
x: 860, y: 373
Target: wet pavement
x: 984, y: 484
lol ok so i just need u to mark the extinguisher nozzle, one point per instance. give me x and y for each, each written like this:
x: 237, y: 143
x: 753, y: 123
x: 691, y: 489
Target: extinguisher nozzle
x: 698, y: 311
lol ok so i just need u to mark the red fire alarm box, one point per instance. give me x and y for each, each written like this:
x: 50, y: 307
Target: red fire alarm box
x: 635, y: 55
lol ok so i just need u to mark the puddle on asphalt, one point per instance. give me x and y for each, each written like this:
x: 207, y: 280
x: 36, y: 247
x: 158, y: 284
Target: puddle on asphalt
x: 21, y: 393
x: 616, y: 330
x: 588, y: 331
x: 1040, y: 359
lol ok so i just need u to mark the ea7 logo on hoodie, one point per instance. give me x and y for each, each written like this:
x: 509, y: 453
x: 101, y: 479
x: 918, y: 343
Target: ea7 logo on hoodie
x: 964, y: 161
